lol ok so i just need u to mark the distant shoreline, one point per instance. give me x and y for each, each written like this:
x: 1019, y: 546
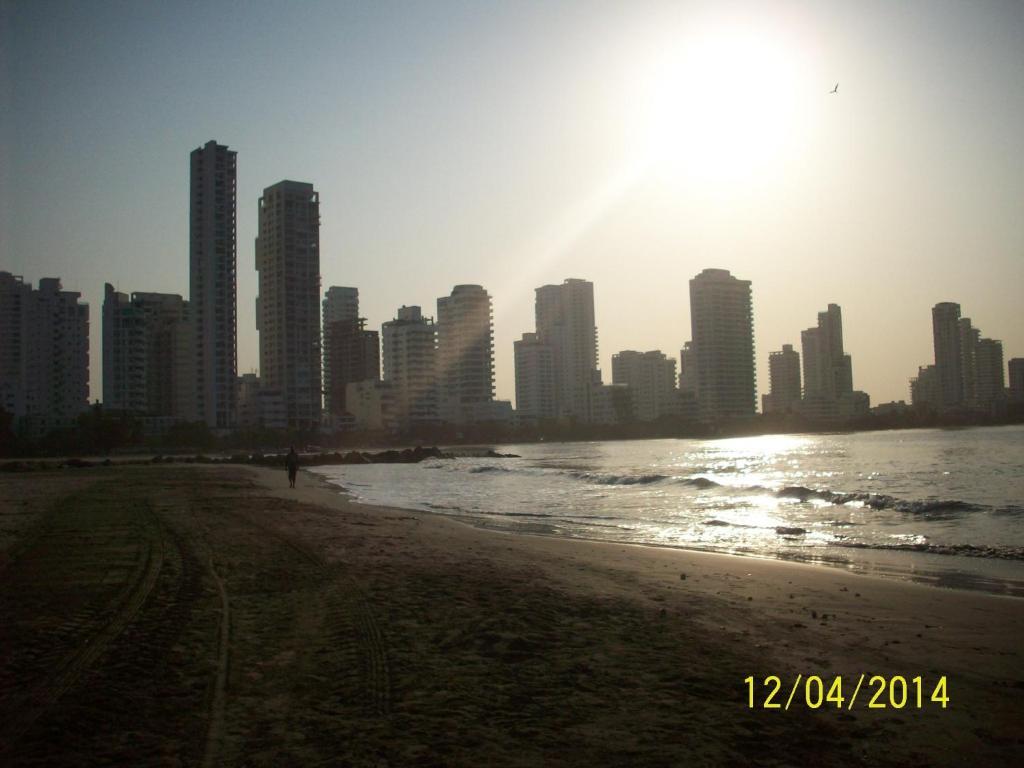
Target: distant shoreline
x: 279, y: 442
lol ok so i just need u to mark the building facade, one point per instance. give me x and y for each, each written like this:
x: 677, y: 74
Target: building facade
x: 288, y: 305
x: 828, y: 370
x: 989, y: 379
x: 146, y: 365
x: 535, y: 379
x: 565, y: 321
x: 410, y: 367
x: 969, y: 370
x: 924, y: 388
x: 465, y: 354
x: 946, y: 339
x: 784, y: 381
x: 340, y: 303
x: 371, y: 405
x: 353, y: 353
x: 651, y: 378
x: 44, y: 352
x: 1016, y: 370
x: 213, y: 290
x: 722, y: 326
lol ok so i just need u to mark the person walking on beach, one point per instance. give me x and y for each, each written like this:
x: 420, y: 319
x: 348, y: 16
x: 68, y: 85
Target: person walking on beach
x: 291, y: 462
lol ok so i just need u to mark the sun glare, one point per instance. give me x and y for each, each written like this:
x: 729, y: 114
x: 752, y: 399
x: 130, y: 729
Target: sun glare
x: 720, y: 108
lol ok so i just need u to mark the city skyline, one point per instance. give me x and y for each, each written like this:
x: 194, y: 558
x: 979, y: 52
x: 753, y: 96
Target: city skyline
x: 908, y: 206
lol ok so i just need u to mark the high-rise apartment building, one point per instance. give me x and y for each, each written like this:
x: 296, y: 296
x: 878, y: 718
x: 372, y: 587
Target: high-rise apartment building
x: 784, y: 381
x: 410, y: 367
x: 968, y: 368
x: 1016, y: 369
x: 288, y: 305
x: 651, y: 378
x: 990, y: 381
x: 565, y: 321
x: 340, y: 303
x: 828, y: 371
x: 924, y: 388
x: 946, y: 337
x: 969, y: 339
x: 535, y: 379
x: 146, y: 364
x: 465, y: 354
x: 353, y: 354
x: 15, y: 298
x: 213, y: 256
x: 722, y: 325
x: 688, y: 370
x: 44, y: 354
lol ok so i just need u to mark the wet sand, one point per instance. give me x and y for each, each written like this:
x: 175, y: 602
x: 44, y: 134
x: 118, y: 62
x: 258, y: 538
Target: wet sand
x: 173, y: 615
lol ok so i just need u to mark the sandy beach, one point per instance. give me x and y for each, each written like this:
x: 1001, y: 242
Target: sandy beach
x: 173, y: 615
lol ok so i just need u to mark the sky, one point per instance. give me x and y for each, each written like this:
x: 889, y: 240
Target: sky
x: 517, y: 144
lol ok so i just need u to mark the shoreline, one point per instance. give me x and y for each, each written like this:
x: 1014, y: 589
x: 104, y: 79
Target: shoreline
x: 906, y: 566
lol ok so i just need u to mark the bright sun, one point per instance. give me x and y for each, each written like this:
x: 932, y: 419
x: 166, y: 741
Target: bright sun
x: 720, y: 109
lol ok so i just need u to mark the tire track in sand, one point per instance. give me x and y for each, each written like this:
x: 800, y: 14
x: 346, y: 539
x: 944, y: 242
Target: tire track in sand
x: 348, y: 608
x: 92, y: 642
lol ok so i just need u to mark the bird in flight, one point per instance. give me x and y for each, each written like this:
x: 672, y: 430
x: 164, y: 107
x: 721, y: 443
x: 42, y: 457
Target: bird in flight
x: 834, y: 90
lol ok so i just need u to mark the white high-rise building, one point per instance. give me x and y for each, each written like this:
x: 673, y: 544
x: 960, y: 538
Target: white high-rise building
x: 288, y: 305
x: 651, y: 378
x: 565, y: 321
x: 213, y: 254
x: 535, y: 379
x: 44, y: 353
x: 465, y: 354
x: 722, y: 326
x: 410, y: 367
x: 146, y: 365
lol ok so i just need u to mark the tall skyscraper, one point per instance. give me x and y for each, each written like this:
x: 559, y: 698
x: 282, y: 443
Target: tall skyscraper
x: 565, y: 321
x: 44, y: 351
x: 465, y: 353
x: 15, y: 297
x: 828, y: 371
x: 410, y: 367
x: 288, y: 305
x: 651, y: 378
x: 722, y: 325
x: 340, y: 303
x: 969, y: 340
x: 784, y: 380
x: 146, y: 365
x: 213, y: 254
x: 535, y: 379
x: 1016, y: 370
x: 946, y: 336
x: 990, y: 382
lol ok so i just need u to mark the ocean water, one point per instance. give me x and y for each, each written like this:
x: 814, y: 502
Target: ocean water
x: 941, y: 506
